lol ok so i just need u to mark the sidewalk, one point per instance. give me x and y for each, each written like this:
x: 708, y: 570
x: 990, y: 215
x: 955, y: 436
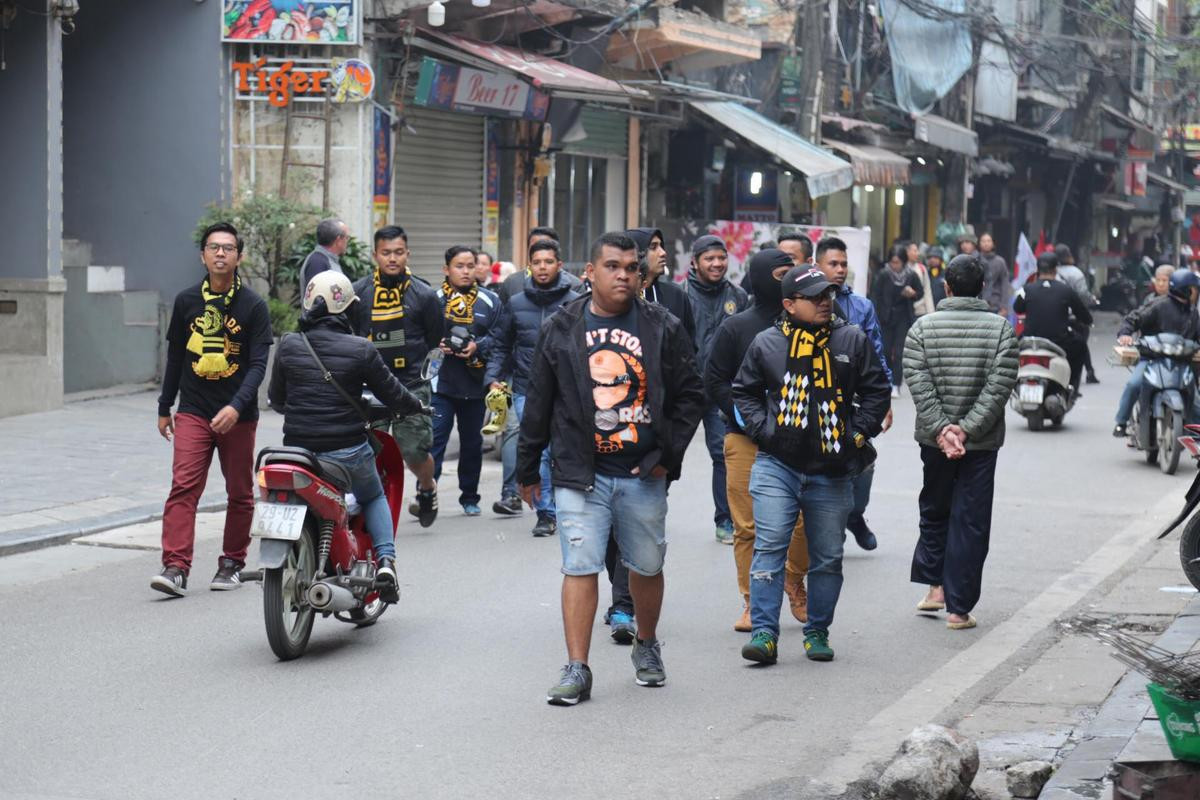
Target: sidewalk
x: 89, y: 466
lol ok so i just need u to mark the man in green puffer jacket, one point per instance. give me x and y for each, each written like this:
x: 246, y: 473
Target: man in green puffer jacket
x: 961, y: 366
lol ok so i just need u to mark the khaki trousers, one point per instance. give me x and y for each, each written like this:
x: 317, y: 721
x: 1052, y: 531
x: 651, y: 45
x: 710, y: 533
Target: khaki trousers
x: 740, y: 452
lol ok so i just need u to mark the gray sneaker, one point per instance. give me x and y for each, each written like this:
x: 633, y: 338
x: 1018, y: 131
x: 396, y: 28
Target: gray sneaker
x: 574, y: 684
x: 647, y: 663
x: 171, y: 581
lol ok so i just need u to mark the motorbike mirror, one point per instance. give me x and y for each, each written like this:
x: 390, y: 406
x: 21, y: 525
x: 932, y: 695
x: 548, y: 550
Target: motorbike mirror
x: 431, y: 364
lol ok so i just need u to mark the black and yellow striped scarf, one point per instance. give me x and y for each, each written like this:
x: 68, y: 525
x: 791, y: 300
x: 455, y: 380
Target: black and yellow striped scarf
x: 387, y: 304
x: 810, y: 389
x: 460, y: 310
x: 208, y: 331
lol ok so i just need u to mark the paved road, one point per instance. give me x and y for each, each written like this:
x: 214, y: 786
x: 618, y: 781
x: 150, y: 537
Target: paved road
x: 112, y: 693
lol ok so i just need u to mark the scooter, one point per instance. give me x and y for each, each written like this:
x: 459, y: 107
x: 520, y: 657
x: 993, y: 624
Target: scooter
x: 1043, y: 391
x: 1168, y: 390
x: 315, y: 552
x: 1189, y: 541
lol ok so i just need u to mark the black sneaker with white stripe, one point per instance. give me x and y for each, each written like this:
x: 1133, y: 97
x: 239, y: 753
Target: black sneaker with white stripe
x: 229, y: 576
x: 171, y: 581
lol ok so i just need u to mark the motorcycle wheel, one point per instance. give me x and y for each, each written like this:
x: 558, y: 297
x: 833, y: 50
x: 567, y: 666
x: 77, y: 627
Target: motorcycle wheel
x: 369, y: 614
x: 1189, y: 550
x: 1170, y: 428
x: 288, y: 615
x: 1035, y: 420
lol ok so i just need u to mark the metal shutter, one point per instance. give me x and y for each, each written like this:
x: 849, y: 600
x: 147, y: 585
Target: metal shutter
x: 607, y: 135
x: 437, y: 186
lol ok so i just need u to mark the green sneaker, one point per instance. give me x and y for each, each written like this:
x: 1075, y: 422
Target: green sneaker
x: 763, y: 647
x: 574, y: 684
x: 816, y: 646
x: 647, y: 663
x: 724, y: 532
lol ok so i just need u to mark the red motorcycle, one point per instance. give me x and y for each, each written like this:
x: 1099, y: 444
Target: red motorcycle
x: 316, y: 554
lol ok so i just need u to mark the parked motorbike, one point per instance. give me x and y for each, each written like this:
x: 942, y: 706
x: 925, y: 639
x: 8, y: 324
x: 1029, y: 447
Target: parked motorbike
x: 315, y: 551
x: 1043, y: 391
x: 1189, y: 541
x: 1168, y: 390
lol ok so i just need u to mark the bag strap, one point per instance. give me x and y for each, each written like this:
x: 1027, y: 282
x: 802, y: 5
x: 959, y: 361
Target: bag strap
x: 328, y: 376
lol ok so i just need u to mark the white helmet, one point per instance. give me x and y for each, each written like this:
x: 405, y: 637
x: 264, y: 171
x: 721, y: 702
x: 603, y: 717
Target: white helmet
x: 334, y: 288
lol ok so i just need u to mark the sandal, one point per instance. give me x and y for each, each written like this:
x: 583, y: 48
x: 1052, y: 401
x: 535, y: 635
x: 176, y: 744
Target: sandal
x: 969, y: 622
x: 930, y: 605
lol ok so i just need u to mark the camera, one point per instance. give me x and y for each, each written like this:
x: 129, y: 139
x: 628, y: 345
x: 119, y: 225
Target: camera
x: 457, y: 338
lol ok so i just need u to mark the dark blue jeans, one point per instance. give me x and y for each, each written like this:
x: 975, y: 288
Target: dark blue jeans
x: 714, y: 440
x: 956, y: 524
x: 469, y: 414
x: 781, y: 493
x: 862, y: 494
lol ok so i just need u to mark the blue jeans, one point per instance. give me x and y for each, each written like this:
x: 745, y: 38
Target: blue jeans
x: 545, y: 503
x: 1130, y: 394
x: 780, y: 493
x: 714, y: 440
x: 631, y: 509
x: 368, y: 491
x: 508, y: 453
x: 469, y: 413
x: 862, y: 494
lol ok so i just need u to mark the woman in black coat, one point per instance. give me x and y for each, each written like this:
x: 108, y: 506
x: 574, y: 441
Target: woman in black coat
x: 893, y: 291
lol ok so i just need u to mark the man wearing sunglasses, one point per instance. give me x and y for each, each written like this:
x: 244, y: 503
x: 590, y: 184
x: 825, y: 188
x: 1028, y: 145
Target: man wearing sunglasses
x: 614, y: 391
x: 811, y: 394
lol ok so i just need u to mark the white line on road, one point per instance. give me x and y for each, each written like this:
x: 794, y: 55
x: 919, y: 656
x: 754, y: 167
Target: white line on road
x: 926, y: 701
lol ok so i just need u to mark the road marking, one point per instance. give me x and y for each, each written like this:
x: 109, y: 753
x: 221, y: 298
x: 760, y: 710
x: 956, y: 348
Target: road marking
x: 926, y: 701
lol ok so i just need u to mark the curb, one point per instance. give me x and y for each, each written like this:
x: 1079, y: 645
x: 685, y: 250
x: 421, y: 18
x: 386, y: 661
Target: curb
x: 1082, y: 773
x: 22, y: 541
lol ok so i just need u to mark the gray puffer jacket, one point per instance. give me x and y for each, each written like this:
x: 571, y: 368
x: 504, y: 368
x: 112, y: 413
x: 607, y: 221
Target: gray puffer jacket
x: 960, y: 363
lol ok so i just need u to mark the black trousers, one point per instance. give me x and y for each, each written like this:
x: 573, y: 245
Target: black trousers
x: 1076, y: 350
x: 956, y: 524
x: 618, y: 574
x: 894, y: 334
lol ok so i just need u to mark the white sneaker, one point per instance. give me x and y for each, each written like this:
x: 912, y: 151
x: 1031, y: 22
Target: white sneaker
x: 895, y: 391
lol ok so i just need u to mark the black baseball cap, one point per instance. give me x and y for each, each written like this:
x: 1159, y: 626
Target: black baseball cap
x: 706, y: 243
x: 805, y: 282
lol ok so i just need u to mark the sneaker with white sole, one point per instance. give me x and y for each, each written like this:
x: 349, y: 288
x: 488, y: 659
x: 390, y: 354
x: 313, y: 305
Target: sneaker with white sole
x: 574, y: 684
x: 171, y: 581
x: 228, y: 577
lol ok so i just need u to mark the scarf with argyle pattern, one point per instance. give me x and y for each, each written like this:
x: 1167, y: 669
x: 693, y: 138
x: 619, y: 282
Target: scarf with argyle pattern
x: 810, y: 393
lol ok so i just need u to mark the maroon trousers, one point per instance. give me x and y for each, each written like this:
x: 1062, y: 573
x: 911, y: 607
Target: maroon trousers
x: 195, y: 441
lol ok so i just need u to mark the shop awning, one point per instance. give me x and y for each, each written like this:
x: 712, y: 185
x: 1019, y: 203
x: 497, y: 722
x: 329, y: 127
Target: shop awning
x: 849, y: 123
x: 1113, y: 202
x: 943, y: 133
x: 824, y: 172
x: 1163, y: 180
x: 1124, y: 119
x: 555, y: 77
x: 873, y: 165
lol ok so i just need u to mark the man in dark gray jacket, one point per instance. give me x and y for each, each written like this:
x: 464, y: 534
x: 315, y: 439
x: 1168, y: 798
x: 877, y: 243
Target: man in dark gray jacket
x: 961, y: 363
x: 713, y: 299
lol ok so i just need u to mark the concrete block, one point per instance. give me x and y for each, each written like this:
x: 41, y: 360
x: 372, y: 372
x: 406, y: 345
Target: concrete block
x: 76, y: 253
x: 105, y: 279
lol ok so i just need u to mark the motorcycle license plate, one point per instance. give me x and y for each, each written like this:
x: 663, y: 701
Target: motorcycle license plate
x: 277, y: 521
x: 1032, y: 393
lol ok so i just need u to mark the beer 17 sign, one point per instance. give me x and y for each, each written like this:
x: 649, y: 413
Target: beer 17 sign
x: 455, y: 88
x: 348, y: 80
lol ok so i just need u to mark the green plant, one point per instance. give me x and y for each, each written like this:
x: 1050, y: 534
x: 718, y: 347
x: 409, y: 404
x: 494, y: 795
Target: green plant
x: 284, y: 316
x: 355, y: 262
x: 270, y: 226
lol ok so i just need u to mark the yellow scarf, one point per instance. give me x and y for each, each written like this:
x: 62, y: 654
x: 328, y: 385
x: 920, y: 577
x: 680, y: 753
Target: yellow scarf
x: 208, y: 333
x: 387, y: 306
x: 809, y: 382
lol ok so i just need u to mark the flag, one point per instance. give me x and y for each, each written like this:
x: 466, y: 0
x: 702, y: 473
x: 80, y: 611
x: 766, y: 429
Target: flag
x: 1043, y: 246
x: 1026, y: 262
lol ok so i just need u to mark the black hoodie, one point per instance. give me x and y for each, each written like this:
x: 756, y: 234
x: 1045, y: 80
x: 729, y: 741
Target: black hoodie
x: 664, y: 291
x: 733, y: 337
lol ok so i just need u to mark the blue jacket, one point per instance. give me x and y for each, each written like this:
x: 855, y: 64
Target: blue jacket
x: 516, y: 334
x: 454, y: 378
x: 858, y: 310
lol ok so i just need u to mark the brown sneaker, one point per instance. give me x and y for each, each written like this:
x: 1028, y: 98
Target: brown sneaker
x: 797, y: 598
x: 743, y: 623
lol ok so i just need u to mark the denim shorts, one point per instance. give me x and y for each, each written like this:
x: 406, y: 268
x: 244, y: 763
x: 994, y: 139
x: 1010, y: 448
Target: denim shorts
x: 632, y: 509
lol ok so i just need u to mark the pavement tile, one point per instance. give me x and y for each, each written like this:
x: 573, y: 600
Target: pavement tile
x: 1147, y: 744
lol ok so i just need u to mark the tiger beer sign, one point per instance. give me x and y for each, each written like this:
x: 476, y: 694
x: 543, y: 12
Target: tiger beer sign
x: 348, y: 80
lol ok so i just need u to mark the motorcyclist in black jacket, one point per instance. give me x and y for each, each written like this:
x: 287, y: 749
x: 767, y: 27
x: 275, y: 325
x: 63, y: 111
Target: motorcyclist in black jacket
x: 1050, y: 307
x: 317, y: 417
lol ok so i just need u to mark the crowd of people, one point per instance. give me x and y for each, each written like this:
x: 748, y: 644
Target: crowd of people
x: 596, y: 385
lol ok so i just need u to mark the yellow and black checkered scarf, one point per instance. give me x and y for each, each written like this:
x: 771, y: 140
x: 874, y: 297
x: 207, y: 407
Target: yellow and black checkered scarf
x: 460, y: 310
x: 387, y: 304
x: 208, y: 331
x: 810, y: 391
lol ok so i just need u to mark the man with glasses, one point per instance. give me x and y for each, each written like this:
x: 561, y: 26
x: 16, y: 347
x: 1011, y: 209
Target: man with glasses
x: 615, y: 448
x: 217, y: 346
x: 811, y: 394
x: 332, y: 239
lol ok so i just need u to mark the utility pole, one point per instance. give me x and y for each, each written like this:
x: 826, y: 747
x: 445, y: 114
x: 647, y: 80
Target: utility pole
x: 812, y: 61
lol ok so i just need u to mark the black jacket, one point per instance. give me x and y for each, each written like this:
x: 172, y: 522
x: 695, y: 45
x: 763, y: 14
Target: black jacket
x: 1164, y: 315
x: 892, y: 307
x: 455, y: 378
x: 859, y: 375
x: 514, y: 284
x: 560, y: 409
x: 1048, y: 305
x: 670, y: 296
x: 712, y: 304
x: 422, y: 326
x: 516, y: 334
x: 316, y: 262
x: 315, y: 416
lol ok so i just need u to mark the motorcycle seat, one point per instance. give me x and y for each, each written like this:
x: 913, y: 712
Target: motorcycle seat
x: 335, y: 473
x: 1038, y: 343
x: 331, y: 471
